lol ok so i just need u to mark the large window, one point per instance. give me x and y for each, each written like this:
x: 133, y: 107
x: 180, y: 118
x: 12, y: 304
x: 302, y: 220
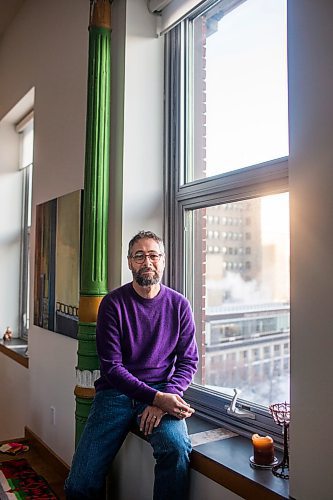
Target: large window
x: 227, y: 185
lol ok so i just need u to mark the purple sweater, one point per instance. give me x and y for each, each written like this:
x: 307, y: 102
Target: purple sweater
x: 145, y: 341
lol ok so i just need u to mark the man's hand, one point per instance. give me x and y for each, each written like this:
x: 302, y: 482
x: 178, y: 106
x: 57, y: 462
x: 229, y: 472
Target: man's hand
x: 150, y: 418
x: 173, y: 404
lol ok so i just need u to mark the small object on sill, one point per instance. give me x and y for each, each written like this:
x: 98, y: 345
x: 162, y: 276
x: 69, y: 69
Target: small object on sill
x: 258, y: 466
x: 8, y: 334
x: 13, y: 448
x: 263, y: 449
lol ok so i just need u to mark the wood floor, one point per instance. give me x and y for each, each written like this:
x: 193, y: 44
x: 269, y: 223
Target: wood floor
x: 45, y: 465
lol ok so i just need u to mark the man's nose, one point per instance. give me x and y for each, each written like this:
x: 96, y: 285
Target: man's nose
x: 145, y: 263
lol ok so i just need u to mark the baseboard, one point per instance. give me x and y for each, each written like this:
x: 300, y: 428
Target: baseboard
x: 46, y: 452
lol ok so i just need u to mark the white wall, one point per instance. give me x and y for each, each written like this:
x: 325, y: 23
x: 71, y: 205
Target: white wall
x: 118, y: 44
x: 52, y: 382
x: 14, y: 398
x: 46, y: 48
x: 143, y: 127
x: 311, y: 186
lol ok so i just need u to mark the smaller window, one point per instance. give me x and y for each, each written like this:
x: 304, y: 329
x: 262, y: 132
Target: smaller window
x: 267, y: 351
x: 255, y: 354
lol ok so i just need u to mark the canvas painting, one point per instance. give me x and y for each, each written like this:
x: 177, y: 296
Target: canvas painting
x: 57, y: 265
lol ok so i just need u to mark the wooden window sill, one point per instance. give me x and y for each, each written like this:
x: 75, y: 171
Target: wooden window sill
x: 16, y: 350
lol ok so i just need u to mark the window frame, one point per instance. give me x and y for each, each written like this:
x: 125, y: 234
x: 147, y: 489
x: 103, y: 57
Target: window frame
x: 262, y: 179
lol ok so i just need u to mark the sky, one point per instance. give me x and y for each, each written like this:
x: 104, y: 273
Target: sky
x: 247, y: 109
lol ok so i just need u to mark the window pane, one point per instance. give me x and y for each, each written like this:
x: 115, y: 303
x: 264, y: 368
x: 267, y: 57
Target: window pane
x: 237, y: 263
x: 238, y: 88
x: 27, y: 140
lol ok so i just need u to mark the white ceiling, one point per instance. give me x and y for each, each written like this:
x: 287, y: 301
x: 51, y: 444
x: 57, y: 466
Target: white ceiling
x: 8, y: 10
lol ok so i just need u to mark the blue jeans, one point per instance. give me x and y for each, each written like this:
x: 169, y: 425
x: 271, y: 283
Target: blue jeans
x: 111, y: 417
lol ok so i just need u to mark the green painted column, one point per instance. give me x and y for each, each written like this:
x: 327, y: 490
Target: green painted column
x: 94, y: 266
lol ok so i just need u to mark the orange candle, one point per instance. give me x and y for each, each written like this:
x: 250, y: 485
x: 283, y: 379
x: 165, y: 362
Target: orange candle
x: 263, y: 448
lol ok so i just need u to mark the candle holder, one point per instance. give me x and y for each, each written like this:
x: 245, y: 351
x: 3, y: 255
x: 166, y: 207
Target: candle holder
x: 281, y: 415
x: 263, y: 452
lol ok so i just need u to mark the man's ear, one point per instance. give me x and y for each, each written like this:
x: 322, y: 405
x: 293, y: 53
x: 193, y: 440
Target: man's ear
x: 129, y: 263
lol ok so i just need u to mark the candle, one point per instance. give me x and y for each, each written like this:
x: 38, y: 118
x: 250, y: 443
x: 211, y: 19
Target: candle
x: 263, y: 448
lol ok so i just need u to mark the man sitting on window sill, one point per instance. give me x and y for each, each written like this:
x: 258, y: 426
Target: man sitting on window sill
x: 148, y: 355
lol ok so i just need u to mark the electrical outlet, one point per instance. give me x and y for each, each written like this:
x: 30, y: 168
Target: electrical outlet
x: 53, y: 415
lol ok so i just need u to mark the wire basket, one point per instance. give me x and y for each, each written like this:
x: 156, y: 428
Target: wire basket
x: 281, y: 415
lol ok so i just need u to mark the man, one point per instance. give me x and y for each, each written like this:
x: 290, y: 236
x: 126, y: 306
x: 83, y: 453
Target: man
x: 148, y: 355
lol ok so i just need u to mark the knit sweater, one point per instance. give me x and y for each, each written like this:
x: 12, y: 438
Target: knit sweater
x: 145, y: 341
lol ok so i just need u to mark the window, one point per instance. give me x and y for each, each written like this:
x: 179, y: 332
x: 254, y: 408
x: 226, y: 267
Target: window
x: 25, y: 130
x: 277, y: 348
x: 267, y: 351
x: 227, y: 149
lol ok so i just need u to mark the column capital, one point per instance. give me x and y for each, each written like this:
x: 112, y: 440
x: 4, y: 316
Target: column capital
x: 100, y: 14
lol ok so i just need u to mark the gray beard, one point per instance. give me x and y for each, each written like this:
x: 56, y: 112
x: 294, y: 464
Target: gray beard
x: 145, y: 280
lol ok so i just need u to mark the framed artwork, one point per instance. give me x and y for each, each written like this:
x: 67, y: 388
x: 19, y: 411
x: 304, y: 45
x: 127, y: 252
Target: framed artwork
x: 57, y: 264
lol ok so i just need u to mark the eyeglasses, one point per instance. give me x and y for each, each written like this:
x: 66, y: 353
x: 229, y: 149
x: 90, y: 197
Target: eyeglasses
x: 140, y: 257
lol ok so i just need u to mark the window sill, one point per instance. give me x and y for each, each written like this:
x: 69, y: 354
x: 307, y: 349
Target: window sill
x: 223, y: 457
x: 225, y: 460
x: 16, y: 349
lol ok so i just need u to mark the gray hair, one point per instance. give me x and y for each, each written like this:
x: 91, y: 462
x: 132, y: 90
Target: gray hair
x: 145, y: 235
